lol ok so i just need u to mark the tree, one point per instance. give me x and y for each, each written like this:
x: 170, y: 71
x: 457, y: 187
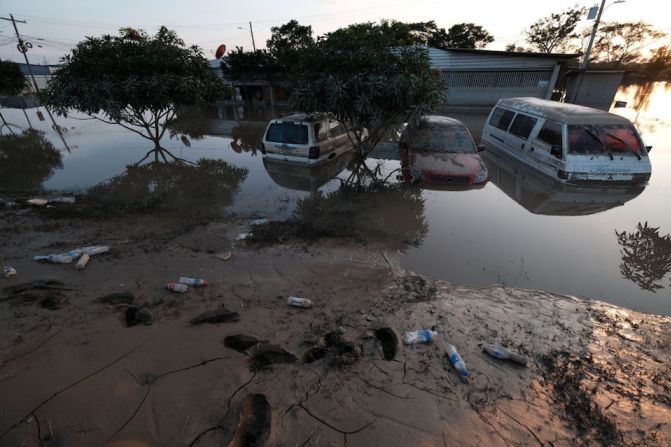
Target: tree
x: 646, y: 256
x: 620, y: 43
x: 514, y: 48
x: 290, y: 36
x: 134, y: 80
x: 465, y: 35
x: 555, y: 30
x: 27, y: 160
x: 658, y: 67
x: 251, y: 65
x: 12, y: 80
x: 363, y: 78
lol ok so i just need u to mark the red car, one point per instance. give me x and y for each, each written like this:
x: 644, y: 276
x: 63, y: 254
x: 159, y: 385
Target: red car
x: 438, y: 151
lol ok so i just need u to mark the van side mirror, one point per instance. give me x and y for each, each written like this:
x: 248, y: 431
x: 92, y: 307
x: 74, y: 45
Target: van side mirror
x: 555, y: 150
x: 648, y: 149
x: 481, y: 147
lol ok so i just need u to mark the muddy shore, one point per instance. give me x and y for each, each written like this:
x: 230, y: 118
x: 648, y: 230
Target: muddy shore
x: 73, y: 372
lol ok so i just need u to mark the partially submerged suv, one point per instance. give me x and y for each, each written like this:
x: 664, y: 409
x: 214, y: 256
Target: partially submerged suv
x: 305, y: 138
x: 439, y: 151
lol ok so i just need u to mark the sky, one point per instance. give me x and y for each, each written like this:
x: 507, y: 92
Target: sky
x: 54, y: 27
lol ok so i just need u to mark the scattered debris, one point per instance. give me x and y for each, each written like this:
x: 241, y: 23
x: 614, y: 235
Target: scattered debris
x: 295, y: 301
x: 242, y: 236
x: 457, y: 361
x: 389, y: 342
x: 419, y: 337
x: 225, y: 256
x: 176, y: 287
x: 240, y: 342
x: 138, y: 315
x: 263, y: 355
x: 501, y: 353
x: 221, y: 315
x: 8, y: 271
x: 69, y: 256
x: 117, y: 298
x: 53, y: 301
x: 334, y: 349
x: 261, y: 221
x: 255, y: 422
x: 37, y: 202
x: 83, y: 260
x: 63, y: 200
x: 195, y: 282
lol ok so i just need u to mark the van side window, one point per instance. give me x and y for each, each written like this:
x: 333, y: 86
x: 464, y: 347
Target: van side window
x: 501, y: 118
x: 522, y: 126
x: 320, y: 131
x: 551, y: 134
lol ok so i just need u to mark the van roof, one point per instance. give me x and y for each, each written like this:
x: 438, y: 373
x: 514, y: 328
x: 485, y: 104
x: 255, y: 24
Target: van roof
x: 301, y: 117
x: 562, y: 112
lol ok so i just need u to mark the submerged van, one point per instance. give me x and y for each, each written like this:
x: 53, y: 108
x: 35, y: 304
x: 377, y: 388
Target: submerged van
x: 568, y: 142
x: 305, y: 138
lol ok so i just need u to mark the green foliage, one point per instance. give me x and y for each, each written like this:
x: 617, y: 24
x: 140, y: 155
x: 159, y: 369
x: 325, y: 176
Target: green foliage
x: 460, y: 35
x: 555, y: 31
x: 27, y: 160
x: 290, y: 36
x: 133, y: 80
x: 12, y: 81
x: 251, y: 65
x: 464, y: 35
x: 361, y: 76
x: 620, y: 43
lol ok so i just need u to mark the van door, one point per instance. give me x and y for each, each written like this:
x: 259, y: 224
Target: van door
x: 546, y: 145
x: 495, y: 131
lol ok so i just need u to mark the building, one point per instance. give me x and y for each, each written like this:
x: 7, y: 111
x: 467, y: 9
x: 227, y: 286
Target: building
x: 41, y: 73
x: 482, y: 77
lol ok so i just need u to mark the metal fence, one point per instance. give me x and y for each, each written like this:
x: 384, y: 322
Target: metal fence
x: 496, y: 79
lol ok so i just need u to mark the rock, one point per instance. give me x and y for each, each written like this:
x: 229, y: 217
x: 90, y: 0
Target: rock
x: 117, y: 298
x: 138, y: 315
x: 240, y: 342
x: 263, y: 355
x: 255, y: 422
x: 221, y: 315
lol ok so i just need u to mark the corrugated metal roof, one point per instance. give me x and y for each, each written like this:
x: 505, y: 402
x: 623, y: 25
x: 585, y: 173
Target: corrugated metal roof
x: 484, y: 60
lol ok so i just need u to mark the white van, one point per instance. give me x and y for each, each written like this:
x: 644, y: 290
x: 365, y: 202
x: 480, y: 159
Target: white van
x: 569, y: 142
x: 305, y: 138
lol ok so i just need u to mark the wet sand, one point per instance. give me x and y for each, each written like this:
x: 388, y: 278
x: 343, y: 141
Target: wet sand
x: 72, y: 373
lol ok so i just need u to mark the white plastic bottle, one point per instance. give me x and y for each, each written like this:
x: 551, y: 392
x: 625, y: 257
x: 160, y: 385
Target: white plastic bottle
x: 457, y: 361
x: 299, y: 302
x: 175, y: 287
x: 95, y: 250
x: 501, y: 353
x: 420, y: 336
x: 195, y: 282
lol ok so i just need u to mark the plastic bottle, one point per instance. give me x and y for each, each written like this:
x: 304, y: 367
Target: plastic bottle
x: 175, y: 287
x: 64, y: 199
x: 299, y: 302
x: 8, y: 271
x: 259, y: 221
x: 83, y: 260
x: 95, y: 250
x: 195, y: 282
x: 501, y: 353
x: 63, y: 258
x: 420, y: 336
x: 457, y: 361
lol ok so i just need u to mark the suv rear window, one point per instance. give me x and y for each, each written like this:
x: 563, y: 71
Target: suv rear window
x: 522, y: 126
x: 287, y: 133
x: 501, y: 118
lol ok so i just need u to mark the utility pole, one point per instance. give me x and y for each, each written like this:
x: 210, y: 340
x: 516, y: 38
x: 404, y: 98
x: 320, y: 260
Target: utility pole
x: 252, y: 32
x: 23, y: 47
x: 595, y: 28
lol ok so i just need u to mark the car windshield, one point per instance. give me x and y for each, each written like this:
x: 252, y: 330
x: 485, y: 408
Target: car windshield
x: 609, y: 139
x: 442, y: 139
x: 287, y: 133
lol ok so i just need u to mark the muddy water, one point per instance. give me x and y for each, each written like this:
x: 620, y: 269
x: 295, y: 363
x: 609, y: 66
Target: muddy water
x: 519, y: 230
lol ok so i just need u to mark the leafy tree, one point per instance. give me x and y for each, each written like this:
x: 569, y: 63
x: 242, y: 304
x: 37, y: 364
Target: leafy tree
x: 251, y: 65
x: 620, y: 43
x: 514, y: 48
x: 465, y: 35
x: 12, y: 80
x: 555, y: 31
x: 290, y: 36
x: 658, y: 67
x: 134, y: 80
x: 27, y: 160
x: 361, y: 76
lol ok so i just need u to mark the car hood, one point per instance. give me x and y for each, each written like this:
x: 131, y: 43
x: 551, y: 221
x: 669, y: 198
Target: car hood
x: 445, y: 163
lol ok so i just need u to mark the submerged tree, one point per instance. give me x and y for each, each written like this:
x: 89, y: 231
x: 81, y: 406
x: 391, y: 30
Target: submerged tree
x: 134, y: 80
x: 646, y: 256
x: 363, y: 78
x: 27, y: 160
x: 555, y: 31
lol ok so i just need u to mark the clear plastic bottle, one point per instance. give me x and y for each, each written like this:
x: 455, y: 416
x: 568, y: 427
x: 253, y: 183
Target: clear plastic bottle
x: 176, y: 287
x: 420, y: 336
x: 299, y: 302
x: 195, y: 282
x: 63, y: 258
x: 501, y: 353
x: 457, y: 361
x: 95, y: 250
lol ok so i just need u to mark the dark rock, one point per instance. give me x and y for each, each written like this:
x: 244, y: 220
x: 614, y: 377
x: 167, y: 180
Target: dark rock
x: 53, y: 301
x: 334, y: 349
x: 221, y: 315
x: 255, y: 422
x: 240, y: 342
x: 263, y: 355
x: 117, y: 298
x: 138, y: 315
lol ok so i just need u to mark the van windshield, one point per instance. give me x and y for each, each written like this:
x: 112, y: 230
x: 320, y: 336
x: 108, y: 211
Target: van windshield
x: 442, y: 139
x: 609, y: 139
x: 287, y: 133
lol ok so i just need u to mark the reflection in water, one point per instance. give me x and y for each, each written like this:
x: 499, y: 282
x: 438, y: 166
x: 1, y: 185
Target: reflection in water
x: 247, y: 136
x: 646, y: 256
x: 305, y: 177
x: 188, y: 189
x: 541, y: 194
x: 27, y: 160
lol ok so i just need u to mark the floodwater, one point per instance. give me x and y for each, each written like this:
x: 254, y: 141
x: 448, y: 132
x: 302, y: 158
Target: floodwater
x: 520, y: 230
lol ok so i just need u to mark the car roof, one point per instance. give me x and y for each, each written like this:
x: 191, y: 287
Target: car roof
x: 439, y: 121
x: 562, y: 112
x: 301, y: 117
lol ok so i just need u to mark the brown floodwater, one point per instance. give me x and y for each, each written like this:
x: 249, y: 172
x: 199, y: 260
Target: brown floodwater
x: 521, y: 229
